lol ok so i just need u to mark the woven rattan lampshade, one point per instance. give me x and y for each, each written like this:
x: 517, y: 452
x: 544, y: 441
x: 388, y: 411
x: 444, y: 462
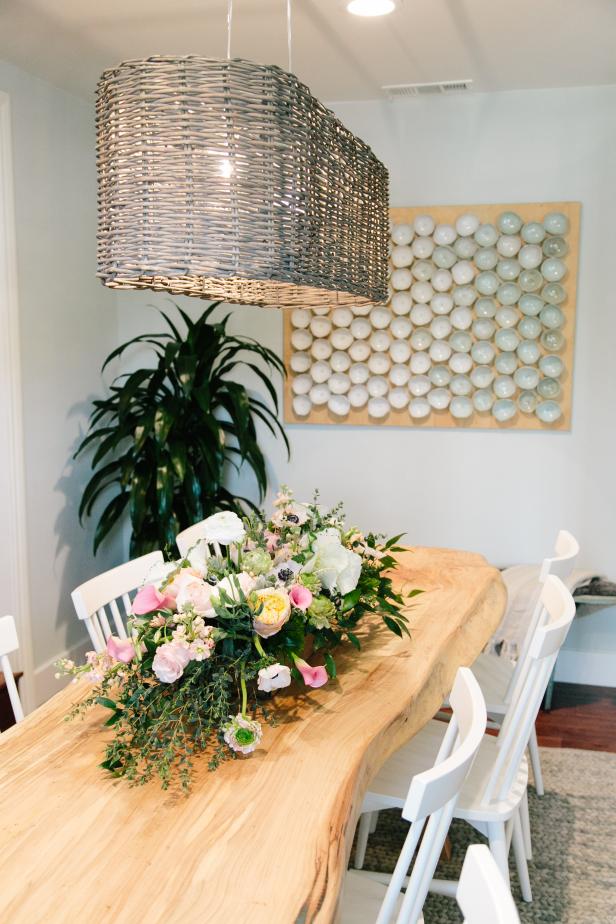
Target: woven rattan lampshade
x: 228, y: 180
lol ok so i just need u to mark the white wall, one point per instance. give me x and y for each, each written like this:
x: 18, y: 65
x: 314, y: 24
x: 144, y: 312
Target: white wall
x: 68, y: 323
x: 504, y: 494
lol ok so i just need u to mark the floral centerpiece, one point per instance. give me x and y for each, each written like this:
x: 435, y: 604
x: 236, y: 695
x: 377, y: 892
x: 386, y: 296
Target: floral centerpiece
x: 212, y: 634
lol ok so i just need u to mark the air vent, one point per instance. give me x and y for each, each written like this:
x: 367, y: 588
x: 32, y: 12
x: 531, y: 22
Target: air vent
x: 401, y: 90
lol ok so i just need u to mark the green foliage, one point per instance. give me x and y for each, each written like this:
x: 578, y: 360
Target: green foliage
x: 165, y: 435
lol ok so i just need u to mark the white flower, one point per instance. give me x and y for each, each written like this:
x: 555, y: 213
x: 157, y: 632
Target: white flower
x: 224, y: 527
x: 232, y: 586
x: 274, y: 677
x: 336, y: 567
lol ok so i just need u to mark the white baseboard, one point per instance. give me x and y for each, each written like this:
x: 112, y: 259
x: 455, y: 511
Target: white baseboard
x: 45, y: 683
x: 595, y: 668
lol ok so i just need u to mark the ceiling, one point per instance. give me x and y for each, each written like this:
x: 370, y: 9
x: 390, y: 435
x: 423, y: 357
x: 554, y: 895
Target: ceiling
x: 500, y: 44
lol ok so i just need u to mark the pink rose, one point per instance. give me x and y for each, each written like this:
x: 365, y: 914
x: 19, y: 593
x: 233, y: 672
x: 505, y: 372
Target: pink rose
x: 121, y: 649
x: 149, y: 599
x: 300, y: 597
x: 197, y: 594
x: 183, y: 577
x: 169, y: 662
x: 313, y: 676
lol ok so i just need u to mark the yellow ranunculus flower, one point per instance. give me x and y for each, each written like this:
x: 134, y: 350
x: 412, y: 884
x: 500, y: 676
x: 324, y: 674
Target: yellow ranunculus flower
x: 275, y: 610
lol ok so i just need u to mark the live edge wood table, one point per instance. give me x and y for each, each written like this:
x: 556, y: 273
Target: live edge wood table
x: 263, y: 840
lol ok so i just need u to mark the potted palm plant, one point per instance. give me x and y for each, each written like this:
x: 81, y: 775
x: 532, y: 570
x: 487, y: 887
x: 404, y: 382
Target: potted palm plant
x: 165, y: 435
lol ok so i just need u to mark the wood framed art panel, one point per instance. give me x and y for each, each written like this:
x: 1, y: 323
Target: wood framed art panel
x: 448, y: 215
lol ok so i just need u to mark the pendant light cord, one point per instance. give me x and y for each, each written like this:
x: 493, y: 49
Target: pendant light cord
x: 289, y: 35
x: 289, y: 31
x: 229, y: 23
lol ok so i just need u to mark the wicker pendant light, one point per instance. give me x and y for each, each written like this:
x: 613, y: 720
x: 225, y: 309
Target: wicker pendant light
x: 226, y: 179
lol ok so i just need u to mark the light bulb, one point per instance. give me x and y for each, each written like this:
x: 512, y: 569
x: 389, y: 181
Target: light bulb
x: 371, y: 7
x: 226, y: 167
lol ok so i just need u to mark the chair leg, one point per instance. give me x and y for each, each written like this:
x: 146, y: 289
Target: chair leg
x: 374, y: 819
x: 498, y: 847
x: 535, y: 760
x: 525, y: 819
x: 519, y: 849
x: 363, y: 830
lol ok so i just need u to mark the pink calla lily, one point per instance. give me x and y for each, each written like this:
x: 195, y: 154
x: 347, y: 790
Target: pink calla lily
x: 300, y: 597
x: 120, y: 649
x: 313, y: 676
x: 149, y: 599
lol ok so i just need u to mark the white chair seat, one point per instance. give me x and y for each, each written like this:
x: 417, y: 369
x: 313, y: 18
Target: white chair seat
x: 389, y: 788
x: 362, y: 898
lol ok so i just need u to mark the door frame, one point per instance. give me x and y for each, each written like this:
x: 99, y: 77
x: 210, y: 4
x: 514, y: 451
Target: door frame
x: 17, y: 550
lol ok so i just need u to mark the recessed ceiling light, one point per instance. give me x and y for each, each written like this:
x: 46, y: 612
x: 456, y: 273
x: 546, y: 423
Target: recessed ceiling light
x: 371, y: 7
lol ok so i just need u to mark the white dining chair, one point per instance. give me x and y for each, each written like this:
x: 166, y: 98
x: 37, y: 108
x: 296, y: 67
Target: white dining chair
x: 483, y: 895
x: 98, y: 600
x: 428, y: 804
x: 497, y: 677
x: 492, y: 798
x: 9, y: 643
x: 188, y: 539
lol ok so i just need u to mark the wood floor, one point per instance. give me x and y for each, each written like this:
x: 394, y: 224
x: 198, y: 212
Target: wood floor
x: 581, y: 717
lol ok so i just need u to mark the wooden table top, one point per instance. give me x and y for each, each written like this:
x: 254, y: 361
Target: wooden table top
x: 261, y: 840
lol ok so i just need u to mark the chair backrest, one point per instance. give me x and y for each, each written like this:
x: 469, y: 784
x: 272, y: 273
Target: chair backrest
x: 103, y: 592
x: 8, y: 643
x: 483, y: 895
x: 431, y: 799
x: 559, y: 607
x: 189, y: 538
x: 561, y: 564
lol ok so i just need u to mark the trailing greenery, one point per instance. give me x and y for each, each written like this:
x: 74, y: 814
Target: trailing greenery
x: 165, y: 435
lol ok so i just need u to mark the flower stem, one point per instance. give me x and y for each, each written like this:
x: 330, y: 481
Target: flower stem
x: 244, y: 689
x: 258, y: 645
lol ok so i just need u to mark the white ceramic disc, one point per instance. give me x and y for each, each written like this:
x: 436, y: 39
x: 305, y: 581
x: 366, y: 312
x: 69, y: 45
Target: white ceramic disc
x: 379, y: 363
x: 339, y: 405
x: 378, y: 407
x: 399, y: 398
x: 400, y: 328
x: 301, y: 317
x: 401, y: 279
x: 320, y: 372
x: 401, y: 256
x: 321, y: 349
x: 400, y: 351
x: 420, y: 363
x: 359, y: 373
x: 301, y: 384
x: 401, y: 303
x: 300, y: 362
x: 342, y: 317
x: 341, y: 338
x: 359, y: 351
x: 302, y: 405
x: 319, y: 394
x: 419, y: 407
x: 399, y: 375
x: 301, y: 339
x: 402, y: 234
x: 358, y: 396
x: 340, y: 361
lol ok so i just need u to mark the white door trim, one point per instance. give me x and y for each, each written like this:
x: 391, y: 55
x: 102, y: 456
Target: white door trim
x: 17, y: 550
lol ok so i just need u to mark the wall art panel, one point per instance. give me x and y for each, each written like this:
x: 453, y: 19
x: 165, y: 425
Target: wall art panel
x: 478, y: 329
